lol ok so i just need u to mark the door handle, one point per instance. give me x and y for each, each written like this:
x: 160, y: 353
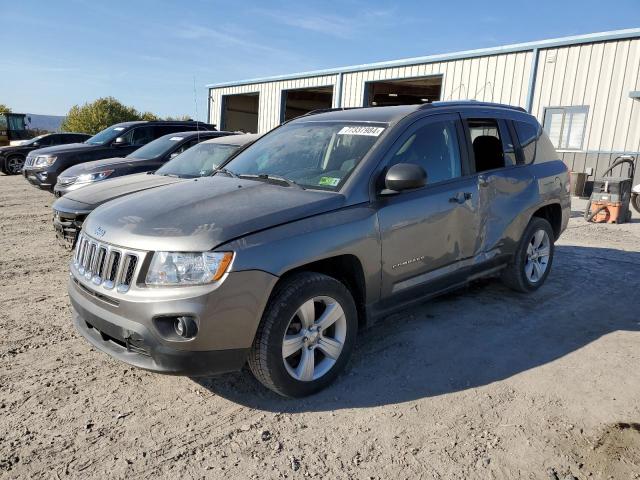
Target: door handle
x: 483, y: 181
x: 461, y: 197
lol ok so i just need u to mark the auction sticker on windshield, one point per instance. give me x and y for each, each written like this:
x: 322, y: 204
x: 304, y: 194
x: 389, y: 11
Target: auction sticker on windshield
x: 368, y: 131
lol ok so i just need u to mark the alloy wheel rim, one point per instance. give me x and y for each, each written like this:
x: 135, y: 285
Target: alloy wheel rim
x: 14, y: 165
x: 314, y: 338
x: 538, y: 254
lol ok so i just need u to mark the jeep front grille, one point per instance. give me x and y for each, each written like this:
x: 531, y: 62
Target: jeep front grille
x: 105, y: 265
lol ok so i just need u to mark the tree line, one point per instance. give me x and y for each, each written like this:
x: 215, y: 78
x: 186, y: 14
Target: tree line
x: 92, y: 117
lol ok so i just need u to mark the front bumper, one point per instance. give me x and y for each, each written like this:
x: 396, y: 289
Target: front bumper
x: 39, y: 178
x: 67, y: 226
x: 127, y: 326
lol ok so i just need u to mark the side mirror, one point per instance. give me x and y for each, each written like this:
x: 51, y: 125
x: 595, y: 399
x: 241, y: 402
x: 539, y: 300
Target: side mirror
x: 404, y: 176
x: 36, y: 144
x: 120, y: 142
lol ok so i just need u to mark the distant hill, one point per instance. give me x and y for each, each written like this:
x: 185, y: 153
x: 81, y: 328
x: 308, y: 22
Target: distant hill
x: 50, y: 123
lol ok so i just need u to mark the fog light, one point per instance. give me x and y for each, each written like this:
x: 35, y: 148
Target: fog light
x: 185, y: 327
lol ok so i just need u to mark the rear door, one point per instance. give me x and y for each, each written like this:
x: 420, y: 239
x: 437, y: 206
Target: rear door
x: 504, y: 183
x: 427, y: 232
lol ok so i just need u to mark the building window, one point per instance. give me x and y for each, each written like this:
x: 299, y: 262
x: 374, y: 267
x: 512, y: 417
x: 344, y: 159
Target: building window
x: 566, y: 126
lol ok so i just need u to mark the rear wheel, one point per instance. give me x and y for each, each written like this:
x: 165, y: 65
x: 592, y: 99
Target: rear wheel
x: 13, y: 164
x: 532, y: 260
x: 306, y: 335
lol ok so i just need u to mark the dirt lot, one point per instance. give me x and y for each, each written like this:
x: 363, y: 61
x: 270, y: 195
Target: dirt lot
x: 484, y: 383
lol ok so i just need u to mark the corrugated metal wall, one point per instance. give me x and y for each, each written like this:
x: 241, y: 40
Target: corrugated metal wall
x: 599, y: 75
x: 497, y: 78
x: 270, y: 98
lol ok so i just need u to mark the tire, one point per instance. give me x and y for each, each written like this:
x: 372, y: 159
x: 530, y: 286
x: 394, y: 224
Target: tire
x: 521, y: 274
x: 635, y: 202
x: 13, y: 164
x: 287, y: 313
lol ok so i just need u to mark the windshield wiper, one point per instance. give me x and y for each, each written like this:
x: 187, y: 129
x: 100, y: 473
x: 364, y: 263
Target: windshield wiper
x: 227, y: 172
x: 272, y: 179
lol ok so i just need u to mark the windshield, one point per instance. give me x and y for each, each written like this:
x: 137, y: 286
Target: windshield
x: 311, y: 154
x: 106, y: 136
x: 158, y: 147
x: 198, y: 161
x: 16, y: 122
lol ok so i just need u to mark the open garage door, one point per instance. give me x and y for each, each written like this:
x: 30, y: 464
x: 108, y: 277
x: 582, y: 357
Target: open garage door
x: 303, y: 100
x: 240, y: 112
x: 408, y: 91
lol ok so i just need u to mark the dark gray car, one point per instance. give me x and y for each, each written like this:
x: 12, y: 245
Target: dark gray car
x: 149, y: 157
x: 70, y: 211
x: 321, y: 226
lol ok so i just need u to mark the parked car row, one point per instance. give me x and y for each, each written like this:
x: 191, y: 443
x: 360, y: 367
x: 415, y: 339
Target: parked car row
x: 187, y: 161
x: 43, y: 166
x: 275, y: 251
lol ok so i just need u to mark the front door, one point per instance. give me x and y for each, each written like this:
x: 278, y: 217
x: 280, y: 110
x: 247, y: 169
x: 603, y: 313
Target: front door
x: 426, y: 232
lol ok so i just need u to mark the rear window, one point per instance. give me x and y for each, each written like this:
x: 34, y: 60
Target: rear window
x: 527, y: 135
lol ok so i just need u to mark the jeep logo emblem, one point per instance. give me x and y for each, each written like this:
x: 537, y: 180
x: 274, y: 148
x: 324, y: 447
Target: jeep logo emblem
x: 100, y: 232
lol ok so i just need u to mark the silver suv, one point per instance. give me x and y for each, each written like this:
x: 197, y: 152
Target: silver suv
x: 321, y: 226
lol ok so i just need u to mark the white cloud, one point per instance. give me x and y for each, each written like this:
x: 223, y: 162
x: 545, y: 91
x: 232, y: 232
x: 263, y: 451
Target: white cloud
x: 343, y: 26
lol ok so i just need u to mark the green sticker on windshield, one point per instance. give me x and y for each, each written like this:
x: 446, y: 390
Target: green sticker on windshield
x: 330, y: 181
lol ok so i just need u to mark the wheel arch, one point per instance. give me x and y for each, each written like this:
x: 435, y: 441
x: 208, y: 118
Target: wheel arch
x: 552, y: 213
x: 347, y: 269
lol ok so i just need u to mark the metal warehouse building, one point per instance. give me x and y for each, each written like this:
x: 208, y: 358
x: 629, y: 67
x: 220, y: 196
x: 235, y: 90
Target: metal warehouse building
x: 585, y: 90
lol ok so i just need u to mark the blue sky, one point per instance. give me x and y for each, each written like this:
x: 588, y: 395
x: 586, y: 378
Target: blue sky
x: 146, y: 53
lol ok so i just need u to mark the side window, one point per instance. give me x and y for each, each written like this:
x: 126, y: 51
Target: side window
x: 527, y: 136
x: 57, y: 139
x: 167, y: 129
x: 185, y: 146
x: 434, y: 147
x: 488, y: 149
x: 140, y: 136
x: 46, y: 141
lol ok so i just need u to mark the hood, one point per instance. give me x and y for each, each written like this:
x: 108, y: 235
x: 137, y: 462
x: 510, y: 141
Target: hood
x: 67, y: 148
x: 10, y: 148
x: 96, y: 165
x: 93, y: 195
x: 200, y: 214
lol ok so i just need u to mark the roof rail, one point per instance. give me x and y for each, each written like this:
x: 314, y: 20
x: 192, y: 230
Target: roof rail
x: 475, y: 103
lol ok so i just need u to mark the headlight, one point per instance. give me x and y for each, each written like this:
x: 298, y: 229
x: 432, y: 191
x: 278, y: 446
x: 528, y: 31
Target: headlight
x: 93, y: 177
x: 44, y: 160
x: 177, y: 268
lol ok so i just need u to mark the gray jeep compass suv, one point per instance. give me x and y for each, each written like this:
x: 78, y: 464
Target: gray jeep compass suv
x: 321, y: 226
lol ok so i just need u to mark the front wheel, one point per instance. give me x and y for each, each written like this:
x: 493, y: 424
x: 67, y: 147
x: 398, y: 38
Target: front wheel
x: 635, y: 202
x: 13, y: 164
x: 306, y: 335
x: 532, y: 260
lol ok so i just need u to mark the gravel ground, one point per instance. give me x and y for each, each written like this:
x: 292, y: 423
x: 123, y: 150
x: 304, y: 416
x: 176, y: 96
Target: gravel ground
x: 484, y: 383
